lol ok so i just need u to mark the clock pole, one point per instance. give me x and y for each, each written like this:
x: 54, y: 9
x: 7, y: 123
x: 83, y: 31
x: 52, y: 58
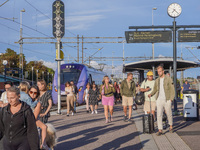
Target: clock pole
x: 175, y: 64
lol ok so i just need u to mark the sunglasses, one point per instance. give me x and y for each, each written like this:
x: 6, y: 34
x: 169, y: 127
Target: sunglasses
x: 31, y: 92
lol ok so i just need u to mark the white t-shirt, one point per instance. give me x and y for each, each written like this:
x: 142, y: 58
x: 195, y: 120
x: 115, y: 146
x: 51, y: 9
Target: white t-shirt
x: 161, y: 95
x: 150, y: 84
x: 4, y: 97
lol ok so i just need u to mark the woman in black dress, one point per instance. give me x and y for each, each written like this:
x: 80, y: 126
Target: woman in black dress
x: 93, y: 98
x: 45, y: 100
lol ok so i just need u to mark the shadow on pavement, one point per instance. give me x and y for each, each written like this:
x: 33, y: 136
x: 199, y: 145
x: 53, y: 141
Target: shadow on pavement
x: 115, y: 144
x: 90, y: 136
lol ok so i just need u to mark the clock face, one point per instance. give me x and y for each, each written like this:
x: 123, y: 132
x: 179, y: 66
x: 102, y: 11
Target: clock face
x: 174, y: 10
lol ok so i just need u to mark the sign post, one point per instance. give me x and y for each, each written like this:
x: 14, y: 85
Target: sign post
x: 58, y: 32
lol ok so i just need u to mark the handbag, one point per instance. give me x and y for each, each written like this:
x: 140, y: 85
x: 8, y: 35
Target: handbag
x: 139, y: 99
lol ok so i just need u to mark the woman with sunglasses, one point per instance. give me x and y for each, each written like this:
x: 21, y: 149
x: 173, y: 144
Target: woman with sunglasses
x: 34, y: 94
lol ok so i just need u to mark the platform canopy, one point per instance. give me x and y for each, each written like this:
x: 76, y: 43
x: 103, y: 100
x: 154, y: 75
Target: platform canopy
x: 167, y: 62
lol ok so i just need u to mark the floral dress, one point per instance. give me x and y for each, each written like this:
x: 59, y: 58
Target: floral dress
x: 93, y: 96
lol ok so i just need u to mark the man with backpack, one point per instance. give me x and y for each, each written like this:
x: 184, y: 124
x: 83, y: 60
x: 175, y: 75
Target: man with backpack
x: 147, y: 87
x: 127, y: 90
x: 165, y: 88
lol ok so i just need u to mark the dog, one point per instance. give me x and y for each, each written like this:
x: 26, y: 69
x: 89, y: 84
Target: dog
x: 51, y: 139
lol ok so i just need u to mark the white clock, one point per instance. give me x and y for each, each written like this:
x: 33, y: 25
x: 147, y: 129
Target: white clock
x: 174, y: 10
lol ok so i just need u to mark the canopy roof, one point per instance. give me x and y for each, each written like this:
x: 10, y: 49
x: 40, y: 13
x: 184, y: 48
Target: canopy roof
x: 167, y: 62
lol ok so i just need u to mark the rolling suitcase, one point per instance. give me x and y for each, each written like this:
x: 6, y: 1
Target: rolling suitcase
x: 148, y: 122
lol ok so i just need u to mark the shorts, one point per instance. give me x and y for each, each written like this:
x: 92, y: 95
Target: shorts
x: 108, y: 101
x: 127, y: 101
x: 147, y: 106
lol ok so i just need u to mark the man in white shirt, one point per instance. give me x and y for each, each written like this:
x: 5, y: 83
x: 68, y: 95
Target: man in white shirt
x: 147, y: 87
x: 3, y: 100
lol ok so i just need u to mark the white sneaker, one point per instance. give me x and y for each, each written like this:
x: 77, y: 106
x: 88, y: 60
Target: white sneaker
x: 72, y: 113
x: 96, y: 112
x: 92, y: 112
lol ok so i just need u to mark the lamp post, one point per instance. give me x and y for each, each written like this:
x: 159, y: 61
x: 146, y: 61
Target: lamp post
x: 37, y: 75
x: 112, y: 61
x: 47, y: 78
x: 21, y: 43
x: 123, y: 57
x: 32, y: 75
x: 5, y: 62
x: 154, y: 8
x: 43, y: 75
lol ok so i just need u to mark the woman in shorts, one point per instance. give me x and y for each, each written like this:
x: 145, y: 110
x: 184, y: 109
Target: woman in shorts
x: 107, y: 91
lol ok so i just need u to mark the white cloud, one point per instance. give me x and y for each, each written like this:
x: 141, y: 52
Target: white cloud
x: 45, y: 23
x: 91, y: 12
x: 117, y: 70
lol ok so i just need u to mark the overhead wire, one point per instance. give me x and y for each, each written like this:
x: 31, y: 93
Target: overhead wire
x: 28, y: 49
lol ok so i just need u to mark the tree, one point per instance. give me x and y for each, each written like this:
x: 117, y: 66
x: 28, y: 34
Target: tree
x: 38, y: 65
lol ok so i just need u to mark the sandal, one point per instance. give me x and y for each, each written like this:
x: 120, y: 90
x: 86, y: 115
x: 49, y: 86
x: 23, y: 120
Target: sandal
x: 171, y: 130
x: 159, y: 133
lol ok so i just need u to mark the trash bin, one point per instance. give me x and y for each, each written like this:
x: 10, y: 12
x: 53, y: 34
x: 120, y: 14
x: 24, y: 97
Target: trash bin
x: 191, y: 105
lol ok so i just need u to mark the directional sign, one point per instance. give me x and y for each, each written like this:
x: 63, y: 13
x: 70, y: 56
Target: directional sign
x: 189, y: 35
x: 148, y: 36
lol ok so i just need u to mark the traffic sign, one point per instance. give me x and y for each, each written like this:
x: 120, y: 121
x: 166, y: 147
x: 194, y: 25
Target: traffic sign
x: 148, y: 36
x: 189, y: 36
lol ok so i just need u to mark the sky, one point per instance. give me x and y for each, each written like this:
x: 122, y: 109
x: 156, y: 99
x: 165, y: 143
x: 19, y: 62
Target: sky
x: 95, y: 18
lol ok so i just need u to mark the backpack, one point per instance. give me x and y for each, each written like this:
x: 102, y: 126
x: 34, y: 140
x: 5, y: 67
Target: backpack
x: 140, y: 98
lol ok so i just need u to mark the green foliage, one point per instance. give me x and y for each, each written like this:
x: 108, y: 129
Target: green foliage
x: 13, y: 62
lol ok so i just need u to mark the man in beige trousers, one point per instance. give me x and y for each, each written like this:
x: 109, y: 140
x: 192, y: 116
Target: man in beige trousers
x: 166, y: 92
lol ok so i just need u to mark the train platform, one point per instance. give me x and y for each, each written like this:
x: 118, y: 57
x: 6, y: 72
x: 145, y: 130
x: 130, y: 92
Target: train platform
x: 85, y: 131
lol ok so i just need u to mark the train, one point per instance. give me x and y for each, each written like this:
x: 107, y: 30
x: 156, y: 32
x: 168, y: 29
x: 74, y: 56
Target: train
x: 80, y: 74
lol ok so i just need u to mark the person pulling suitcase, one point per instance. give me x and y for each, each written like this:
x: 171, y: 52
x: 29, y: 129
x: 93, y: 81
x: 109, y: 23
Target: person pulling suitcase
x: 165, y: 88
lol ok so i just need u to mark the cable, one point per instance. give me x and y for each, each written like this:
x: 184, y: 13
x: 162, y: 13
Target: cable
x: 28, y: 49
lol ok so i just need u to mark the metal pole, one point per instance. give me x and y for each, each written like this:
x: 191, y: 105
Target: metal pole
x: 78, y: 48
x: 82, y: 49
x: 174, y: 64
x: 182, y: 70
x: 59, y: 91
x: 4, y: 73
x: 32, y: 75
x: 123, y: 59
x: 47, y: 77
x: 37, y: 75
x: 21, y: 48
x: 153, y: 43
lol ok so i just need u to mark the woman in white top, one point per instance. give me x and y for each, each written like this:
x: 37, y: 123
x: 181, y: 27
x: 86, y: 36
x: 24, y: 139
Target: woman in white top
x: 86, y: 97
x: 70, y: 98
x: 3, y: 100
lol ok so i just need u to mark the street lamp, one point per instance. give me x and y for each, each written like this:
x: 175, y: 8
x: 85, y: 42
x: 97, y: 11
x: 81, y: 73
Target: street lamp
x: 5, y: 62
x: 20, y: 43
x: 43, y: 75
x: 154, y: 8
x: 123, y: 57
x: 37, y: 74
x: 32, y: 75
x: 112, y: 61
